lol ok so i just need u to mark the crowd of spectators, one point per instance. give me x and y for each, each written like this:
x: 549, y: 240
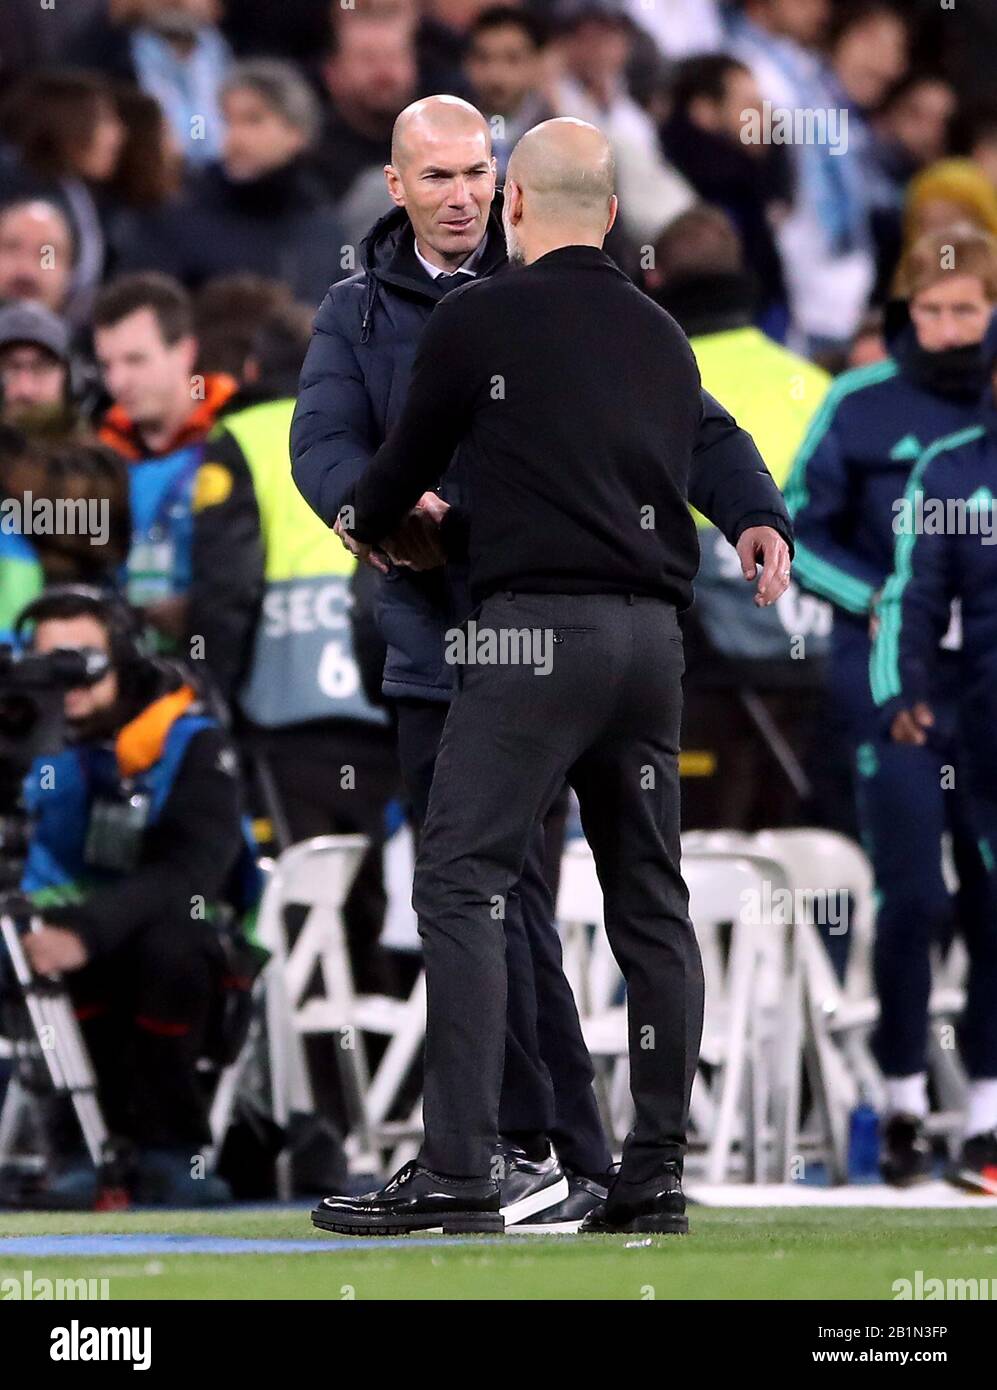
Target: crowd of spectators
x: 181, y: 180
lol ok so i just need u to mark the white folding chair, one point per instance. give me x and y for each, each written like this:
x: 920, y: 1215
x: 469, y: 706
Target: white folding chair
x: 746, y: 1004
x: 816, y: 861
x: 317, y: 875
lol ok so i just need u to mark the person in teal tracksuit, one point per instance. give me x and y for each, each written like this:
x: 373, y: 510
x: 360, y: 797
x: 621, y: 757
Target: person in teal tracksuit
x: 853, y: 467
x: 946, y: 553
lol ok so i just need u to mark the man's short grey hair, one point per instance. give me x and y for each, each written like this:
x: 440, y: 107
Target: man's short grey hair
x: 283, y: 89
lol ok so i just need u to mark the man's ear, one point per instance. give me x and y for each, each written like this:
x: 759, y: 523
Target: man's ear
x: 396, y: 190
x: 614, y: 208
x: 513, y: 202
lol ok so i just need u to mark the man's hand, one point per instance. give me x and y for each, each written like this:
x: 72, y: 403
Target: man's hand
x: 910, y: 724
x: 366, y: 554
x: 54, y: 950
x: 416, y: 543
x: 763, y: 547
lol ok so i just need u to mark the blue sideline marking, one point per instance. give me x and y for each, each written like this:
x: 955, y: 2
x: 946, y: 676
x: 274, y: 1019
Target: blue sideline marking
x: 140, y: 1243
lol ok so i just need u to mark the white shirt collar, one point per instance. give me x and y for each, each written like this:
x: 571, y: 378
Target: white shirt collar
x: 469, y: 267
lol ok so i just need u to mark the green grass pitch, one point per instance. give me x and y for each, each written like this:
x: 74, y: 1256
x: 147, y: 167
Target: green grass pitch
x: 731, y: 1254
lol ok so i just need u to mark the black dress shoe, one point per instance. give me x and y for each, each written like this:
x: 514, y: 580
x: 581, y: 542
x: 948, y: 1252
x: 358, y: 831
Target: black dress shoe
x: 530, y: 1186
x: 906, y: 1158
x: 416, y: 1200
x: 654, y: 1208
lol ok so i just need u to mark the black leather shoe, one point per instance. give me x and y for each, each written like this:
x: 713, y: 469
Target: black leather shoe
x: 530, y: 1186
x: 906, y: 1158
x: 584, y: 1195
x: 655, y: 1208
x: 416, y: 1200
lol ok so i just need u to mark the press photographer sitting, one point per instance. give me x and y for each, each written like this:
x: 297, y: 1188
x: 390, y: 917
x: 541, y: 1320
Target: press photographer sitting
x: 136, y: 843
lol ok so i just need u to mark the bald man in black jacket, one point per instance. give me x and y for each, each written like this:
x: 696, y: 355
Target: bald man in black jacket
x: 576, y: 404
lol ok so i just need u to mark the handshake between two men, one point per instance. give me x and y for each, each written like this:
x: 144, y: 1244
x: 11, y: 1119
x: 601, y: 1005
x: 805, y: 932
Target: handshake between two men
x: 417, y: 544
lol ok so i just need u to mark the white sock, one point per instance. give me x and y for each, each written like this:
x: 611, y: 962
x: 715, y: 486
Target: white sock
x: 907, y: 1095
x: 981, y: 1112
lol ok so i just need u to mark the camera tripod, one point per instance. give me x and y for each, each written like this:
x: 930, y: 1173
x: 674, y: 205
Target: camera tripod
x: 65, y: 1054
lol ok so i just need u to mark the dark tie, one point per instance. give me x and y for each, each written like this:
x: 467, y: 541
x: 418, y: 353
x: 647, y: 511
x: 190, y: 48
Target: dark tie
x: 450, y: 282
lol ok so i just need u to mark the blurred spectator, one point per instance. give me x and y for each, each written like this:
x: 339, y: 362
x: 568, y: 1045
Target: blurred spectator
x: 779, y: 40
x: 680, y: 28
x: 176, y: 53
x: 35, y: 371
x: 442, y: 39
x: 749, y: 181
x: 739, y: 656
x: 228, y: 315
x: 79, y: 472
x: 369, y: 74
x: 826, y: 242
x: 953, y: 190
x: 595, y: 46
x: 913, y: 121
x: 36, y: 253
x: 910, y: 130
x: 504, y: 65
x: 869, y: 48
x: 63, y: 139
x: 162, y: 413
x: 150, y: 167
x: 261, y: 209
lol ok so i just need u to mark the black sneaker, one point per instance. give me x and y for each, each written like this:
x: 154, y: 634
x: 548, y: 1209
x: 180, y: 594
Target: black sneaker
x: 906, y: 1158
x: 975, y: 1170
x: 530, y: 1186
x: 655, y: 1208
x: 584, y: 1195
x: 416, y: 1199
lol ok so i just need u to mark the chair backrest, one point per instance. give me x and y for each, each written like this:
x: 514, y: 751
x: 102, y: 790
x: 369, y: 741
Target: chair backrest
x: 818, y: 860
x: 723, y: 889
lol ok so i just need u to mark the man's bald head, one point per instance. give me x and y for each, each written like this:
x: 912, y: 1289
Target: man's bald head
x: 433, y: 121
x: 565, y: 168
x: 443, y: 174
x: 558, y: 189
